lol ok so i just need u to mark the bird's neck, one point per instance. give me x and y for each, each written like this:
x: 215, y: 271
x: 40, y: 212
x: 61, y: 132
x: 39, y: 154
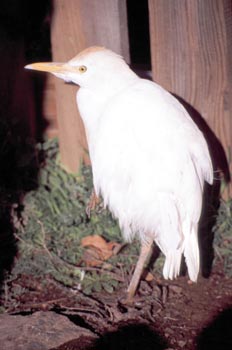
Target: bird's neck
x: 92, y: 99
x: 114, y: 85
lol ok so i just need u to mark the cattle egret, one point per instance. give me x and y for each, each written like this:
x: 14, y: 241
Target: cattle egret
x: 149, y: 159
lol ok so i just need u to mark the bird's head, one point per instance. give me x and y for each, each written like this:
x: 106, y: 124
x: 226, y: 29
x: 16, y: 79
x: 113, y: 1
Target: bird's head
x: 92, y: 68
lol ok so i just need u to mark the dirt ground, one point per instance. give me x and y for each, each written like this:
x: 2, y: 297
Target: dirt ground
x: 165, y: 314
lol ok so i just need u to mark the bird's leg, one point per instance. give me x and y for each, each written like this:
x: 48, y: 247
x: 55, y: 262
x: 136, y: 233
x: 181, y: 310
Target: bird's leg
x: 93, y: 202
x: 144, y: 252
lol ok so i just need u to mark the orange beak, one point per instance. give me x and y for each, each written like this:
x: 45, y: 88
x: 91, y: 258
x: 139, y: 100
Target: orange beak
x: 52, y: 67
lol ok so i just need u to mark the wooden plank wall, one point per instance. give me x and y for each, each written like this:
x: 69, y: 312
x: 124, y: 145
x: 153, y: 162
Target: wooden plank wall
x: 191, y: 48
x: 191, y: 45
x: 77, y: 24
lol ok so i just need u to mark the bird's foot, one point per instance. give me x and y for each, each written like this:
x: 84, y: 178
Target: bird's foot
x: 133, y: 301
x: 127, y: 301
x: 145, y: 250
x: 130, y: 297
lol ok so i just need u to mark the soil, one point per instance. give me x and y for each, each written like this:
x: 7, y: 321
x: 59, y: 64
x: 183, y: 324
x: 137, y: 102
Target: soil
x: 165, y: 314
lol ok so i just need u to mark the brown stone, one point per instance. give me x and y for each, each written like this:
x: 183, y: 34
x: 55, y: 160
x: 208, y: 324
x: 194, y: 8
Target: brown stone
x: 39, y: 331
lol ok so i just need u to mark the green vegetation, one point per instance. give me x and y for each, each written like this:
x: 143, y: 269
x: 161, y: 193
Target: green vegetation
x: 223, y: 236
x: 52, y: 221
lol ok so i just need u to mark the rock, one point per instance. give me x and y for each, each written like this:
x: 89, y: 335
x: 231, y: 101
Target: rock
x: 39, y: 331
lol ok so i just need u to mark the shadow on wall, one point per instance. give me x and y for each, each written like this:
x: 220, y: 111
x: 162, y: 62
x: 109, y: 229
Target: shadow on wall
x: 211, y: 199
x: 21, y: 123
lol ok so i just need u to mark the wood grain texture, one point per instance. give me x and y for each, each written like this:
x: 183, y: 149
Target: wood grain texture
x: 76, y: 25
x: 191, y: 46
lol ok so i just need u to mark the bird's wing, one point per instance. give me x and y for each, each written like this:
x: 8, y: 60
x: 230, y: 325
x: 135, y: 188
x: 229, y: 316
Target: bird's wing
x: 175, y: 127
x: 145, y: 131
x: 158, y: 126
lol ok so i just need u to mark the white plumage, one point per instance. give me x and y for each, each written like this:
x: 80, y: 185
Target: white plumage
x: 149, y: 159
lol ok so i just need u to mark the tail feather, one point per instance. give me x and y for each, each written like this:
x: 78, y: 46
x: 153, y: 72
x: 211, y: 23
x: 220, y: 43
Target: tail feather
x: 191, y: 253
x: 172, y: 264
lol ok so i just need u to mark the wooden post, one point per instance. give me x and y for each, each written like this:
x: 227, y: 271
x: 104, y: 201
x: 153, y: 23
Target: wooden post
x: 191, y: 46
x: 77, y: 24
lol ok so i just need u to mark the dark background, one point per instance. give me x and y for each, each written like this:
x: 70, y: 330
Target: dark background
x: 25, y: 38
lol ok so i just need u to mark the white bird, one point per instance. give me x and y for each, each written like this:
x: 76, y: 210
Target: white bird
x: 149, y: 159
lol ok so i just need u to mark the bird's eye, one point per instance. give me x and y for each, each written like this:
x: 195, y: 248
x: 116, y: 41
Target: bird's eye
x: 82, y: 69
